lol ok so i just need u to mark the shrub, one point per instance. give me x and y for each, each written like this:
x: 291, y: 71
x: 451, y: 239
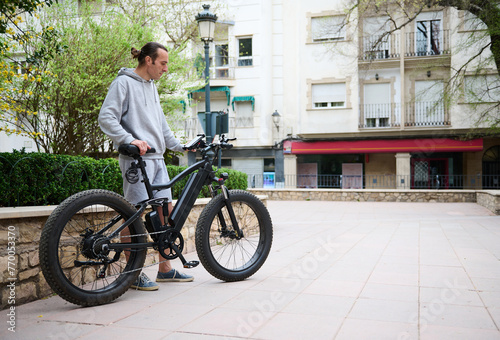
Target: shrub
x: 43, y: 179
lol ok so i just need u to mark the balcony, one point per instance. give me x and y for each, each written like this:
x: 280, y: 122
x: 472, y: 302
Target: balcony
x: 379, y: 47
x: 221, y: 68
x: 421, y: 45
x: 380, y: 115
x: 417, y: 114
x: 382, y: 47
x: 423, y: 114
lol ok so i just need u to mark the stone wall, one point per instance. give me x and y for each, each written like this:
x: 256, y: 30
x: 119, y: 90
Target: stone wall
x: 489, y: 199
x: 368, y: 195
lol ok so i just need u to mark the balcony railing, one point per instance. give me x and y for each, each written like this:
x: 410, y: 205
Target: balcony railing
x: 380, y: 47
x: 418, y: 45
x: 441, y: 182
x: 427, y: 114
x: 377, y: 47
x: 380, y: 115
x: 220, y: 67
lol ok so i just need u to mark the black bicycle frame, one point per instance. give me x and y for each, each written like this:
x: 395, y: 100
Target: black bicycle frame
x: 186, y: 200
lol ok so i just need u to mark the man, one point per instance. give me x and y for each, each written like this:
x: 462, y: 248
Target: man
x: 131, y: 113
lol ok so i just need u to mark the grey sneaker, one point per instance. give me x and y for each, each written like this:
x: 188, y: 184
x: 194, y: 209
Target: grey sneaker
x: 143, y: 282
x: 173, y: 276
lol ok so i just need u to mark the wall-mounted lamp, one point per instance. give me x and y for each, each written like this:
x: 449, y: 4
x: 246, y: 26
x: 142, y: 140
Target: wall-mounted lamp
x: 376, y: 76
x: 276, y: 119
x: 428, y: 74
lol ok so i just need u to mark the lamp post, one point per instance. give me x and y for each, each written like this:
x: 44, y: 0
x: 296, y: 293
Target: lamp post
x: 206, y: 24
x: 276, y: 119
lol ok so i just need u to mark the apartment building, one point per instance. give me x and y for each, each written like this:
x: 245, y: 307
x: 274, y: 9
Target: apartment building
x: 316, y: 103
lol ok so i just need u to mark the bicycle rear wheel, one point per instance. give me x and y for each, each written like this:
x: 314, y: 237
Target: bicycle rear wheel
x: 71, y: 248
x: 223, y: 254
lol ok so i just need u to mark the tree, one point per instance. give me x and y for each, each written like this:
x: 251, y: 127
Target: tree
x: 56, y: 101
x: 11, y: 11
x: 479, y: 48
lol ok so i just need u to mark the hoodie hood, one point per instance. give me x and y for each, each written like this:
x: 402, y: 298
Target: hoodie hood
x: 129, y: 72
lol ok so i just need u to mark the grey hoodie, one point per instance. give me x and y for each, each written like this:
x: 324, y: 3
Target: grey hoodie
x: 132, y: 111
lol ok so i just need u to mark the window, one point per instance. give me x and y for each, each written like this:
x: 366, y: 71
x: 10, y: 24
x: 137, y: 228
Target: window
x: 327, y: 28
x: 428, y: 41
x: 245, y: 52
x: 328, y: 95
x: 244, y: 114
x: 377, y: 104
x: 481, y: 89
x: 221, y: 61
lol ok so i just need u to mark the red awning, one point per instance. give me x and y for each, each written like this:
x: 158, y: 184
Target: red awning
x: 383, y: 146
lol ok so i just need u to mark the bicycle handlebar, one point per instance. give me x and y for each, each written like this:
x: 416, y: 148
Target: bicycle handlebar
x: 133, y: 151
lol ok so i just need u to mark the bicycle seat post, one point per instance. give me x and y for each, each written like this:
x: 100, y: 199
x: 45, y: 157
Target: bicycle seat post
x: 145, y: 179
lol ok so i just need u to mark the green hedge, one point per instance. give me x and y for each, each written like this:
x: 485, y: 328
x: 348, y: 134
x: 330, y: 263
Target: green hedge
x: 43, y: 179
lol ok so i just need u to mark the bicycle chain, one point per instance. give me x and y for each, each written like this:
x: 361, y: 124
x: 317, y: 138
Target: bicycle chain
x: 149, y: 265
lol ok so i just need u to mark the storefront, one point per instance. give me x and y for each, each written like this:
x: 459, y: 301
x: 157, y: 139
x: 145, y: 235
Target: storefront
x: 437, y: 163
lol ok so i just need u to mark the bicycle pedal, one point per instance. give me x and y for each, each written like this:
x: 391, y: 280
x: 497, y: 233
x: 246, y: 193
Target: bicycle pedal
x: 191, y: 264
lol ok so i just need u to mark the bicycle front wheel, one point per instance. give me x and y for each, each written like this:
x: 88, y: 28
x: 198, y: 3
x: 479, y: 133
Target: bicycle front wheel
x: 71, y: 248
x: 222, y: 252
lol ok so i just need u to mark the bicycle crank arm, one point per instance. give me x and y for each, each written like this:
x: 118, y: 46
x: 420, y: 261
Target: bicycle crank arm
x: 185, y: 264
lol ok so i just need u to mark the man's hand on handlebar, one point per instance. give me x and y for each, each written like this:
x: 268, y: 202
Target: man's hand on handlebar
x: 142, y: 145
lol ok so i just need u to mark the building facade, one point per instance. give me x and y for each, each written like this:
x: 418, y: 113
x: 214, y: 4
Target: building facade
x: 357, y: 107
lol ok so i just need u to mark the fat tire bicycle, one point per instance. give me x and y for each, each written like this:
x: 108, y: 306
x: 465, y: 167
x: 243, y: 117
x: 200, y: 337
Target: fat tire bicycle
x: 88, y: 260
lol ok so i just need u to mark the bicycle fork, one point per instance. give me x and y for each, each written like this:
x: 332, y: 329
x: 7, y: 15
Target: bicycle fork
x: 238, y: 234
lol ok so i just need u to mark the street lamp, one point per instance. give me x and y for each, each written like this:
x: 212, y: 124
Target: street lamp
x: 276, y: 119
x: 206, y: 24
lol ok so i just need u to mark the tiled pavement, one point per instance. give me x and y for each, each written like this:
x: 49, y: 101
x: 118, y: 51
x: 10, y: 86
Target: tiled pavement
x: 337, y: 270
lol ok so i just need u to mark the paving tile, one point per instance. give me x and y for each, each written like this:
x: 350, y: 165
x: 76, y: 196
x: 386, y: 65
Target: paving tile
x: 490, y: 299
x: 297, y: 326
x: 486, y: 284
x: 369, y: 329
x: 390, y: 292
x: 309, y: 304
x: 228, y: 322
x: 196, y: 336
x: 444, y: 276
x: 433, y: 332
x: 260, y: 300
x: 213, y: 294
x: 51, y: 330
x: 125, y: 332
x: 450, y: 296
x: 441, y: 314
x: 394, y: 273
x: 165, y: 316
x: 335, y: 288
x: 385, y: 310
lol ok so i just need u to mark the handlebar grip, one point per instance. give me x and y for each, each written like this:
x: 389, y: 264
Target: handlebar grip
x: 152, y: 150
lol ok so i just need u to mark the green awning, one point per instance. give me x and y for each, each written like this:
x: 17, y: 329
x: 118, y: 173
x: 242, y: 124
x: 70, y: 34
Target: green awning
x: 245, y: 99
x: 215, y: 89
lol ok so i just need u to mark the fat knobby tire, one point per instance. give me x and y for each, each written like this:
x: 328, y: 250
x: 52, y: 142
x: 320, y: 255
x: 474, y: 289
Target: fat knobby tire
x: 51, y: 241
x: 208, y: 228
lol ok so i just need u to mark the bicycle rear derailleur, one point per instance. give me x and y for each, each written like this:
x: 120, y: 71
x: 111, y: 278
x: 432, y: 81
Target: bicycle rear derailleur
x: 171, y: 245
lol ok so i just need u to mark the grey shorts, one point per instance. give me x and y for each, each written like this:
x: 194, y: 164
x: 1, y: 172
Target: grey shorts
x: 157, y: 173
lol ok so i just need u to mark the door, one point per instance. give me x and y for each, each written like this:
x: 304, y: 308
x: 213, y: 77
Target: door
x: 430, y: 173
